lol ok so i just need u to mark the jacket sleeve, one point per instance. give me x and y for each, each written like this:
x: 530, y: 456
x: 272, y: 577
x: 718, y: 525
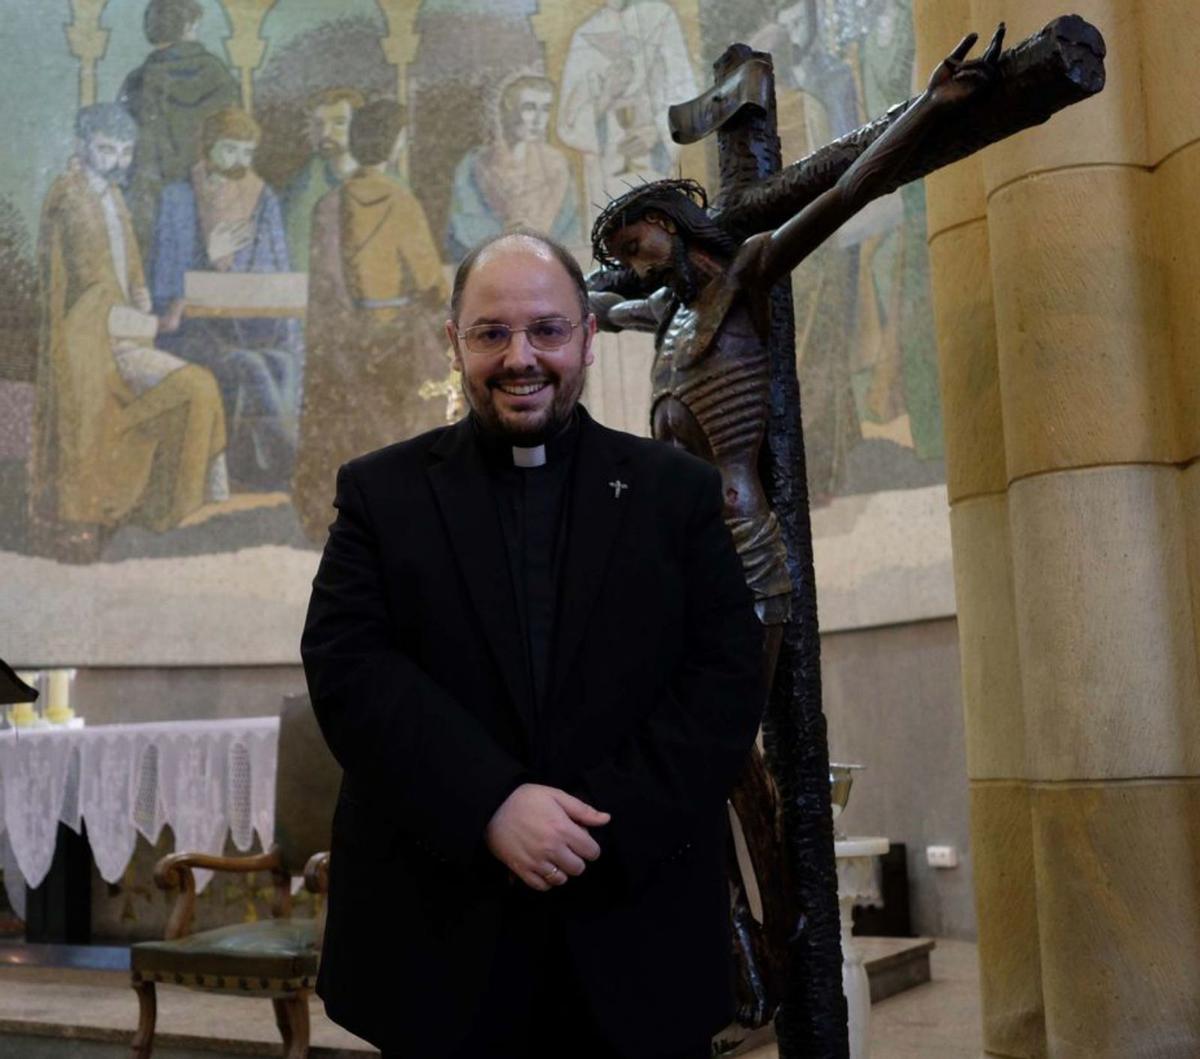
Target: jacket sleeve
x: 680, y: 765
x: 420, y: 756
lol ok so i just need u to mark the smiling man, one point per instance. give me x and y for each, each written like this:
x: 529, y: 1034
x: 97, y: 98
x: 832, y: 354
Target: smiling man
x: 531, y: 648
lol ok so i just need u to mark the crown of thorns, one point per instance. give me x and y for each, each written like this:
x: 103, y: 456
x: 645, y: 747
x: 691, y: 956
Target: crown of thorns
x: 614, y: 216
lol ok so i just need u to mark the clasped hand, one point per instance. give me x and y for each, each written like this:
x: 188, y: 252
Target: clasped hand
x: 539, y: 829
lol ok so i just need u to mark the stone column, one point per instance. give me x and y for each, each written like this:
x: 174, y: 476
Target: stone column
x: 88, y: 43
x: 1065, y: 266
x: 245, y: 46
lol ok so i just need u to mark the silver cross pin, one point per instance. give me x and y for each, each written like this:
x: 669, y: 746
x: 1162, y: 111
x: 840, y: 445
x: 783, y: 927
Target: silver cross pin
x: 617, y: 486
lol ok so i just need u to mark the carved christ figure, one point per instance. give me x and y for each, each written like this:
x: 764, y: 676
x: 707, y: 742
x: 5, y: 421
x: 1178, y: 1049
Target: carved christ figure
x: 673, y: 269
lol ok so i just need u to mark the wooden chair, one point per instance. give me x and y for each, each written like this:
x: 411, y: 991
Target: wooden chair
x: 274, y: 958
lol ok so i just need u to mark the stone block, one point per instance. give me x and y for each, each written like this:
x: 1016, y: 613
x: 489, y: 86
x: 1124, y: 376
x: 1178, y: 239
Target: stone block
x: 987, y: 633
x: 1104, y: 623
x: 1118, y: 898
x: 1010, y: 974
x: 1178, y: 230
x: 1190, y: 490
x: 1082, y: 321
x: 1170, y: 40
x: 965, y: 317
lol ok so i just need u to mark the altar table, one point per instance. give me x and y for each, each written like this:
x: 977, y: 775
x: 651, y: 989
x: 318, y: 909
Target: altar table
x: 208, y: 779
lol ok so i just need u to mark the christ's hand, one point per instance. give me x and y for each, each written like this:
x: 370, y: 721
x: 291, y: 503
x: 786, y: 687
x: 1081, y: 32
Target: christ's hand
x: 540, y: 834
x: 954, y: 82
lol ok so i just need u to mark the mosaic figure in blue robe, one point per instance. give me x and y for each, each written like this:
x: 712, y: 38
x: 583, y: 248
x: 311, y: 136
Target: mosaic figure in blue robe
x: 225, y: 219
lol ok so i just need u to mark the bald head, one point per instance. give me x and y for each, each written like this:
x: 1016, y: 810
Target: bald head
x: 520, y: 240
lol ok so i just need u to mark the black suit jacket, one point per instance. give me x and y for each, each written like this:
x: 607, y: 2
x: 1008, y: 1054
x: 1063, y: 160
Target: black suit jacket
x: 411, y: 649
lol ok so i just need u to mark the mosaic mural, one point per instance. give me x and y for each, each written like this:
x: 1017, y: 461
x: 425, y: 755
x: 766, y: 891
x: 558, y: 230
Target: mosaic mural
x: 227, y: 236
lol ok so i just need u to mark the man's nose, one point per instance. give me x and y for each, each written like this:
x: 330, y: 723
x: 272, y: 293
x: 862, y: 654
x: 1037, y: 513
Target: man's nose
x: 520, y: 352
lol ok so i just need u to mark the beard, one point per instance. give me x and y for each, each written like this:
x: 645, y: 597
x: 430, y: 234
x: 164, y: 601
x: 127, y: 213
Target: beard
x: 233, y: 172
x: 117, y: 176
x: 330, y: 149
x: 525, y: 429
x: 680, y: 274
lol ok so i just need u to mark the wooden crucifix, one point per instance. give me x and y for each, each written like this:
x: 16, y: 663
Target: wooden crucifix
x: 711, y: 283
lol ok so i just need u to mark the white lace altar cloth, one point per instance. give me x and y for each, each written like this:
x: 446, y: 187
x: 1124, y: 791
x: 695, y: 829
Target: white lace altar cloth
x: 207, y: 779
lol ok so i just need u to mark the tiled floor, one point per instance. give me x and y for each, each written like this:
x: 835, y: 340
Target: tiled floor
x: 939, y: 1020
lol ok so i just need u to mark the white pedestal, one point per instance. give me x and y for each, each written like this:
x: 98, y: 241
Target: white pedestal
x: 857, y: 882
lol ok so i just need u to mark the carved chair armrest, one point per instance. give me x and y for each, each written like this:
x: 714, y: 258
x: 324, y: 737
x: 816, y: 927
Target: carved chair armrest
x: 316, y: 873
x: 175, y: 871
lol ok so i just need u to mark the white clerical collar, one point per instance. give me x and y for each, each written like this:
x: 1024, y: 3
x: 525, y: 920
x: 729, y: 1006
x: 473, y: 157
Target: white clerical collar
x: 529, y: 456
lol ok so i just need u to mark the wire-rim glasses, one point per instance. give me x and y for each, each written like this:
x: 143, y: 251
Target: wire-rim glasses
x: 548, y: 334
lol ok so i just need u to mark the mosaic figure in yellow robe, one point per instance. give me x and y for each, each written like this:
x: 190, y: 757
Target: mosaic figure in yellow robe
x: 123, y: 431
x: 375, y: 298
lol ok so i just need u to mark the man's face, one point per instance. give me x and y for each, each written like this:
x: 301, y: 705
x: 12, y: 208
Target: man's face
x: 522, y: 393
x: 108, y: 157
x: 231, y: 158
x: 330, y: 129
x: 533, y: 115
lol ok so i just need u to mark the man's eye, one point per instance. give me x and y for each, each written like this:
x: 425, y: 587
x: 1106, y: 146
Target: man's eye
x: 551, y: 329
x: 491, y: 334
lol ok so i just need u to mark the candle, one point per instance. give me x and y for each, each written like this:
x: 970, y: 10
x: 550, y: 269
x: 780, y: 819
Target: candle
x: 58, y: 704
x: 22, y: 714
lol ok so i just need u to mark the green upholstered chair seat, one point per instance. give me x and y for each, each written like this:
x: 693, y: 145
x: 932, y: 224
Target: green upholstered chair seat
x: 271, y: 948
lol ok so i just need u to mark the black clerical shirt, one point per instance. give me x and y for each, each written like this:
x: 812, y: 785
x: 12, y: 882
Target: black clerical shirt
x: 533, y: 509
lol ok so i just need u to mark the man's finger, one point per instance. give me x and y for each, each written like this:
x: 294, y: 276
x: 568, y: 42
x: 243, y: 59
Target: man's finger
x: 584, y: 846
x: 580, y: 811
x: 534, y: 881
x: 567, y: 862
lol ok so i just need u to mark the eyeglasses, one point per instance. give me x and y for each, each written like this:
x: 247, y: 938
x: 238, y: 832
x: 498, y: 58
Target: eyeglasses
x: 547, y: 334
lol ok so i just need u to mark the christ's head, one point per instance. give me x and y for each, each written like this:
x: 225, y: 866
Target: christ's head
x: 663, y: 232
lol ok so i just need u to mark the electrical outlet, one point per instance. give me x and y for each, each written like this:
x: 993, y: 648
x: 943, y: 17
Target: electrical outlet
x: 941, y: 856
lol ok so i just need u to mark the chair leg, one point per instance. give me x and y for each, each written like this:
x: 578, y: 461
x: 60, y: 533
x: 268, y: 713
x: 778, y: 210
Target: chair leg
x: 291, y: 1016
x: 143, y: 1039
x: 281, y: 1020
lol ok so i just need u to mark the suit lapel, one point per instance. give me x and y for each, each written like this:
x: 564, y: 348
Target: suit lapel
x: 464, y: 495
x: 599, y: 500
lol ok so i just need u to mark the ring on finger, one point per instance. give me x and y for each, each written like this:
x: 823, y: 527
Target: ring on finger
x: 554, y: 870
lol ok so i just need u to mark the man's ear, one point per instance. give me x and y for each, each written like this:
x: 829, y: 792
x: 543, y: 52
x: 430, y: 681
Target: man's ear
x: 452, y: 336
x: 589, y: 354
x: 662, y: 221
